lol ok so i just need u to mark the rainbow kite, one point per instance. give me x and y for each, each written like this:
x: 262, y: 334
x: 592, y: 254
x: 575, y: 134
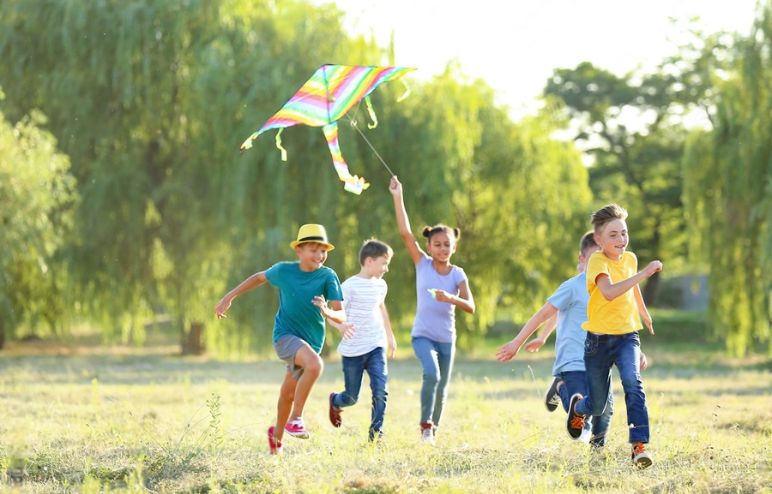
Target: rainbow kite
x: 326, y: 97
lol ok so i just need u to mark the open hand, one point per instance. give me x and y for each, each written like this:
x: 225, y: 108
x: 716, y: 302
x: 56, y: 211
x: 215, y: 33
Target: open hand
x: 508, y: 351
x: 534, y: 345
x: 647, y: 321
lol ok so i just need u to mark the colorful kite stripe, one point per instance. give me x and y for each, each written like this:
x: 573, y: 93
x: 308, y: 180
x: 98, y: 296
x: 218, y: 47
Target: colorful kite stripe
x: 329, y: 94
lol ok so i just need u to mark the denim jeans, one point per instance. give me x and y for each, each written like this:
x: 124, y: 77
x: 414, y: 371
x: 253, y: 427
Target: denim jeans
x: 601, y: 351
x: 437, y: 361
x: 374, y: 362
x: 576, y: 382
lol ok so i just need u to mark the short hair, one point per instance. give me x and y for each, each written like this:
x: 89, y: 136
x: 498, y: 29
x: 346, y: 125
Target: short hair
x: 606, y: 214
x: 430, y: 231
x: 374, y: 248
x: 588, y: 240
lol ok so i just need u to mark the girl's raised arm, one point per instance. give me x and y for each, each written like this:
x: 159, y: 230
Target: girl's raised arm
x: 403, y: 223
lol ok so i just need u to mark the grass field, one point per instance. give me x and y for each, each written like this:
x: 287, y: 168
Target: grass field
x: 129, y: 420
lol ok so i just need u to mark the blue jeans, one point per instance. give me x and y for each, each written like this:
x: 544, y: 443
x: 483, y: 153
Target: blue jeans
x: 601, y: 351
x: 437, y: 361
x: 374, y: 362
x: 576, y: 382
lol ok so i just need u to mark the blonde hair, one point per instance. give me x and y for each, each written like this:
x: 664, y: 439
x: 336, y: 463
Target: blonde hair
x: 606, y: 214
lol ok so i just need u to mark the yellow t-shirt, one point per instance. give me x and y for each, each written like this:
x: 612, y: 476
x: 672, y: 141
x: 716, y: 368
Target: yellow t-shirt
x: 618, y: 316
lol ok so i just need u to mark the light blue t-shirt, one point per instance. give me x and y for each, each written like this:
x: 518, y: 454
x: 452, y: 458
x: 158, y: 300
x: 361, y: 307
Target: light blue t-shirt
x: 571, y: 301
x: 435, y: 320
x: 297, y: 315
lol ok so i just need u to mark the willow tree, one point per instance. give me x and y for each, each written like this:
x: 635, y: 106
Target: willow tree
x: 728, y: 194
x: 36, y: 193
x: 630, y: 126
x: 151, y: 99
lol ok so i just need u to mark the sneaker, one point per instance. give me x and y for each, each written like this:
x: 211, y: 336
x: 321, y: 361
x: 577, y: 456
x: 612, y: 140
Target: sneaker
x: 552, y: 397
x: 641, y: 457
x: 427, y: 433
x: 296, y: 428
x: 274, y: 445
x: 335, y: 418
x: 575, y: 421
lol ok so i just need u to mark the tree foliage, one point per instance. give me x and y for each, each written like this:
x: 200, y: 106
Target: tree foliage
x: 728, y: 194
x: 36, y: 193
x: 630, y: 128
x: 150, y: 99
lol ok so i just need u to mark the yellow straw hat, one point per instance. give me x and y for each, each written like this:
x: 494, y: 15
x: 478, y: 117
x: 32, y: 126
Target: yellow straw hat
x: 312, y: 233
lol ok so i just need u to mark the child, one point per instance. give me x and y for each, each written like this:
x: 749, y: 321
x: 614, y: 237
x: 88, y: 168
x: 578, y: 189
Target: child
x: 363, y: 301
x: 569, y: 303
x: 612, y: 330
x: 440, y: 287
x: 304, y: 286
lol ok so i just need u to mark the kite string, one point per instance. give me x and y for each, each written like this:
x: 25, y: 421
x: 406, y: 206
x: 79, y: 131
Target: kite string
x: 354, y: 124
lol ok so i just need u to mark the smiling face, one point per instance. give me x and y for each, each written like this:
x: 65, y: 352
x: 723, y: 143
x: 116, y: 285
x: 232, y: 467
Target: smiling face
x: 311, y: 255
x: 441, y: 246
x: 612, y: 238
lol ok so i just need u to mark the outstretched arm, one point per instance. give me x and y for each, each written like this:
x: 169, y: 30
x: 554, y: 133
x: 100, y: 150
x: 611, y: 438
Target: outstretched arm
x: 334, y: 312
x: 547, y: 328
x: 248, y: 284
x: 509, y: 351
x: 403, y: 223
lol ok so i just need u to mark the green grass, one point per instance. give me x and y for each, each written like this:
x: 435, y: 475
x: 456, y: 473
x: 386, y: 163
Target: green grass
x: 124, y: 421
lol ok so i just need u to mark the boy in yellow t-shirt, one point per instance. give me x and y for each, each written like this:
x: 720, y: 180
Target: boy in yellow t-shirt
x: 612, y: 330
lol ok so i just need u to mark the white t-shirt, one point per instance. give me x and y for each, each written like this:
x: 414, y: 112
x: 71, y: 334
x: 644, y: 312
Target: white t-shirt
x: 362, y: 299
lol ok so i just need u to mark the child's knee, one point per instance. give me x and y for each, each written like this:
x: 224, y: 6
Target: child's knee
x: 432, y: 379
x: 314, y: 367
x: 380, y: 396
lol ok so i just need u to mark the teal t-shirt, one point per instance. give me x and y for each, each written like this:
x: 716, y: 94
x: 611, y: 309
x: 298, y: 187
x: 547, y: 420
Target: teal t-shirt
x: 297, y: 315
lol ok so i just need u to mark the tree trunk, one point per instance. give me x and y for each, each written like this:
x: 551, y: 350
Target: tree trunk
x: 649, y: 291
x: 194, y: 344
x: 2, y: 335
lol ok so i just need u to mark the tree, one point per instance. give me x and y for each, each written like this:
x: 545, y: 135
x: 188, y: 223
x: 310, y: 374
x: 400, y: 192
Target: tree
x: 36, y: 193
x: 628, y: 125
x: 728, y: 193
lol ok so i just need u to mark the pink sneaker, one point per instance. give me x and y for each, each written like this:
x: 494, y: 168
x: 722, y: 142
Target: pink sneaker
x: 274, y: 445
x: 296, y: 428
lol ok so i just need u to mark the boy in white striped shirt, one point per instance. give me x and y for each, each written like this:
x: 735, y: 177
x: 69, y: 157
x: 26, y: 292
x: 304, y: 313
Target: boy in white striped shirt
x: 364, y: 298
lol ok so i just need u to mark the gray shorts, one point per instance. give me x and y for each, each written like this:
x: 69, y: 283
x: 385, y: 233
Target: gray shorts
x: 286, y: 347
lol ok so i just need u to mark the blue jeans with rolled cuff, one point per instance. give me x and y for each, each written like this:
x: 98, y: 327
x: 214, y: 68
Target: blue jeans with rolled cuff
x: 601, y: 351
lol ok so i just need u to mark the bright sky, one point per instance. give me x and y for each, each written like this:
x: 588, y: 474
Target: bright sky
x: 514, y: 45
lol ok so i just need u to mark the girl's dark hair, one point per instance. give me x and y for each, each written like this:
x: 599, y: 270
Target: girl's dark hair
x: 430, y: 231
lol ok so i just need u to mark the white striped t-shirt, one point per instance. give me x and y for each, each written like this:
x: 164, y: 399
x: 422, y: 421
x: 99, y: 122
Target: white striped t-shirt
x: 362, y: 299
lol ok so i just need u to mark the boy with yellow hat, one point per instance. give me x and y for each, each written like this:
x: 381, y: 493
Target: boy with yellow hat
x: 305, y: 287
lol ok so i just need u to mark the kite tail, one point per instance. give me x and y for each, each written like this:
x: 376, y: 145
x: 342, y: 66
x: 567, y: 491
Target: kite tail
x: 407, y: 91
x: 248, y: 143
x: 353, y: 183
x: 371, y: 112
x: 278, y: 145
